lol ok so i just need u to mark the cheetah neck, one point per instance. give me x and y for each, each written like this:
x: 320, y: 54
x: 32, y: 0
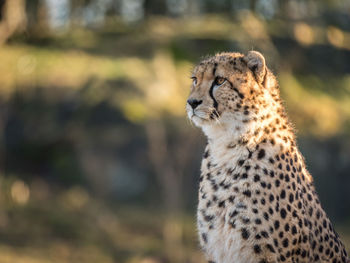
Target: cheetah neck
x: 270, y: 125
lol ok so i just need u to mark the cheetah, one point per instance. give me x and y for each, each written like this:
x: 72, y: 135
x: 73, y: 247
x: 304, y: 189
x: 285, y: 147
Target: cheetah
x: 257, y: 201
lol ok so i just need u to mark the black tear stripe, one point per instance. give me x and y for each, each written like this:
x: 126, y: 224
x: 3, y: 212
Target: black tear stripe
x: 215, y: 103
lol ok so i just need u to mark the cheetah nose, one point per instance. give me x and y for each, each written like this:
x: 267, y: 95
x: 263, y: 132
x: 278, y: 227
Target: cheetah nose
x: 194, y: 103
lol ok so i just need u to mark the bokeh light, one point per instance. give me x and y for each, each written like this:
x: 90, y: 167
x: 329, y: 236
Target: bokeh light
x: 20, y: 192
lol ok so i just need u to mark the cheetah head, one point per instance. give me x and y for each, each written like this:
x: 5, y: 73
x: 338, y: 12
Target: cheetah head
x: 230, y: 90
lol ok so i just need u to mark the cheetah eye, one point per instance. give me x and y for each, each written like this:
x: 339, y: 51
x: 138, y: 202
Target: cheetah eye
x: 219, y: 81
x: 194, y: 80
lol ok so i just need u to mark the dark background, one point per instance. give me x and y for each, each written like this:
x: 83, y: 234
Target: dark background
x: 98, y: 162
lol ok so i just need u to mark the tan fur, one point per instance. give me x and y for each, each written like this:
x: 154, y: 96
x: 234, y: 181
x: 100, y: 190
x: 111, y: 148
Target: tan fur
x: 257, y: 202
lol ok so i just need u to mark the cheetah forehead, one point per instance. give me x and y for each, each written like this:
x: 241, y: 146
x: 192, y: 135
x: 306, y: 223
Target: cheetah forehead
x: 226, y: 60
x: 245, y: 72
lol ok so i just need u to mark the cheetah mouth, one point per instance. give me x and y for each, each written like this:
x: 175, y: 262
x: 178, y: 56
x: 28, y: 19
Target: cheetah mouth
x: 192, y: 116
x: 204, y: 116
x: 195, y: 117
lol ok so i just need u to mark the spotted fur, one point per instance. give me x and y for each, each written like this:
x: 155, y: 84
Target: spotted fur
x: 257, y: 201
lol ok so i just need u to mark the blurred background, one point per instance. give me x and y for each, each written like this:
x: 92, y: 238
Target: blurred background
x: 98, y: 162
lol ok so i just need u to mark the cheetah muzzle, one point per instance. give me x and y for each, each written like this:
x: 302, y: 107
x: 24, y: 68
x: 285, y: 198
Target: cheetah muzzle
x: 257, y: 201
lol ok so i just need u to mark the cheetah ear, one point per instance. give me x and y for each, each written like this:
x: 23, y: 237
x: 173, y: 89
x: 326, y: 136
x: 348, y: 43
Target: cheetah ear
x: 256, y: 63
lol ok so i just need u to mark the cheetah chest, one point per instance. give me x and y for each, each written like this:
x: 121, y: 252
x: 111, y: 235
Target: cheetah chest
x: 219, y: 229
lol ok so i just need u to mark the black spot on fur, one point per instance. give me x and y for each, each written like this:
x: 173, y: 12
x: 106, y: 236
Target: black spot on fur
x: 245, y: 233
x: 247, y: 193
x: 257, y: 249
x: 261, y: 154
x: 204, y: 237
x: 256, y: 178
x: 283, y: 213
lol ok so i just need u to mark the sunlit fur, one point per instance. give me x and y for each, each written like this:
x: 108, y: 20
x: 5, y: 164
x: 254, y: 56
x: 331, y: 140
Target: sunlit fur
x: 232, y: 122
x: 252, y: 171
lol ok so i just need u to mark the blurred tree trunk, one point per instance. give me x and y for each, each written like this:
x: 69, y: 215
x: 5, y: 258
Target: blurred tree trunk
x: 170, y: 183
x: 193, y: 8
x: 282, y: 9
x: 169, y: 160
x: 2, y: 4
x: 32, y: 8
x: 163, y: 164
x: 253, y: 5
x: 3, y: 120
x: 36, y: 17
x: 76, y: 6
x: 154, y: 7
x: 13, y: 19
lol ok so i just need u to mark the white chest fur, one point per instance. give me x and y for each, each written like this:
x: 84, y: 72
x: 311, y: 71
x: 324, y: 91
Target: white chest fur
x: 220, y: 197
